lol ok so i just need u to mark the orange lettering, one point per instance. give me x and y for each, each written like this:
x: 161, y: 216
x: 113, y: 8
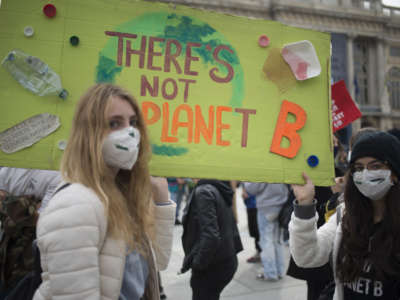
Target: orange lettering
x: 164, y: 133
x: 288, y: 130
x: 201, y: 126
x: 189, y: 124
x: 220, y: 126
x: 156, y: 112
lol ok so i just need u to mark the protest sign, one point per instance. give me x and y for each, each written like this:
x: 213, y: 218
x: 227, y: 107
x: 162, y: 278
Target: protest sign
x: 219, y: 102
x: 344, y: 110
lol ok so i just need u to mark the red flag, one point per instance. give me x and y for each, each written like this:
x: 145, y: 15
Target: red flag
x: 344, y: 110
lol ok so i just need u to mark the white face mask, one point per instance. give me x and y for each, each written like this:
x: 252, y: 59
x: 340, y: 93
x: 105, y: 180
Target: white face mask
x: 373, y: 184
x: 121, y: 148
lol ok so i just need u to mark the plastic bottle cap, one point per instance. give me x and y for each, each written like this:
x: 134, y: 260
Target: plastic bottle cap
x: 63, y: 95
x: 28, y: 31
x: 313, y: 161
x: 49, y: 10
x: 263, y: 41
x: 74, y: 40
x: 62, y: 145
x: 11, y: 56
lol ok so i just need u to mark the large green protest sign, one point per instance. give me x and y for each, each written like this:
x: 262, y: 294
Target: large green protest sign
x: 224, y: 97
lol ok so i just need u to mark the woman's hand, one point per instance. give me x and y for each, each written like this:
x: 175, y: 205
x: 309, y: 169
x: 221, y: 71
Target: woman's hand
x: 339, y: 185
x: 159, y: 190
x: 304, y: 193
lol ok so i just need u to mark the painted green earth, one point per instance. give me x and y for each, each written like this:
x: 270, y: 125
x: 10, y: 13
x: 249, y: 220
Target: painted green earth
x: 184, y: 29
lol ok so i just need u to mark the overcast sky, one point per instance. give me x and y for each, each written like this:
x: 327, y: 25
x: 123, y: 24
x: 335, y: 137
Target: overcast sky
x: 395, y: 3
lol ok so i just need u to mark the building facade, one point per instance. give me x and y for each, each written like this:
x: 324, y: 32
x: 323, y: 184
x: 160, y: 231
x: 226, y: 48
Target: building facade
x: 365, y: 37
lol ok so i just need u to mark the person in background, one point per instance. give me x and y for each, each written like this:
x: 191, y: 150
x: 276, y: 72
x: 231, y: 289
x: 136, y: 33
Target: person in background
x: 176, y: 188
x: 251, y: 210
x: 340, y: 156
x: 234, y: 184
x: 210, y: 239
x: 270, y: 199
x: 363, y: 241
x: 22, y: 193
x: 395, y: 132
x: 19, y: 181
x: 98, y: 234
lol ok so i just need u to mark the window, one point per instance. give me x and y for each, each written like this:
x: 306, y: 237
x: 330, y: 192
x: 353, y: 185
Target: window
x: 361, y: 70
x: 330, y: 2
x: 394, y: 51
x: 394, y: 87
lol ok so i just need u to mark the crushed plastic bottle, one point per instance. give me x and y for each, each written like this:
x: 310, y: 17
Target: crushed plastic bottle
x: 33, y: 74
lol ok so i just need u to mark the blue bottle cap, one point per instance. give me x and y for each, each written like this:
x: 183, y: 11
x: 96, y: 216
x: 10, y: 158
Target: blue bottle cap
x: 313, y: 161
x: 11, y: 56
x: 74, y: 40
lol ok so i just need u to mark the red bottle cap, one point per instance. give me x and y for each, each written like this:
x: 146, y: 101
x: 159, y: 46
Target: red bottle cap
x: 263, y: 41
x: 49, y: 10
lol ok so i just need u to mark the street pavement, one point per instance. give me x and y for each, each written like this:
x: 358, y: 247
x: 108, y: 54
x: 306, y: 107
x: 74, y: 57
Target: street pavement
x: 244, y: 285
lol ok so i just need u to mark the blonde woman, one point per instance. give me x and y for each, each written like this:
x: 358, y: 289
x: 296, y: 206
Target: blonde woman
x: 107, y: 234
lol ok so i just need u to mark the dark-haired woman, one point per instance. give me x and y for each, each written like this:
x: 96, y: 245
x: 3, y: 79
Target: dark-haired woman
x: 365, y: 243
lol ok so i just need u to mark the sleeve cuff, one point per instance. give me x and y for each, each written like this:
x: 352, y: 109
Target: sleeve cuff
x: 304, y: 211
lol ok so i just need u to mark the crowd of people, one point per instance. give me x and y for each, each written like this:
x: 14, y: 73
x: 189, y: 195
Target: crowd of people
x: 104, y: 227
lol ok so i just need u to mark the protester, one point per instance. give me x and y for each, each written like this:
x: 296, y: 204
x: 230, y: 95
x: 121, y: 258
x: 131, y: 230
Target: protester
x: 251, y: 210
x: 340, y: 155
x: 96, y: 237
x: 318, y: 278
x: 364, y: 242
x: 210, y: 239
x: 39, y: 183
x: 270, y: 199
x: 176, y: 188
x: 22, y: 192
x: 338, y: 188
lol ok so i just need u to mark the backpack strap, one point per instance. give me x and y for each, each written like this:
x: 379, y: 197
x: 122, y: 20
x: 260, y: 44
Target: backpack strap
x: 61, y: 188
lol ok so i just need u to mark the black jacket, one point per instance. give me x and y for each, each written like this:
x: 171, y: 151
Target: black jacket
x: 210, y: 234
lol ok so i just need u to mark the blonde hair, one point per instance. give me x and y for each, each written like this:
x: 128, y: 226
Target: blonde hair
x: 126, y: 197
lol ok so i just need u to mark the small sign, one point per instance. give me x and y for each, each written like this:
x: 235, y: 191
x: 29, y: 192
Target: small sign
x: 344, y: 110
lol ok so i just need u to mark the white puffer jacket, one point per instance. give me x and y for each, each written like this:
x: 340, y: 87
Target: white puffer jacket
x: 312, y: 248
x: 78, y: 258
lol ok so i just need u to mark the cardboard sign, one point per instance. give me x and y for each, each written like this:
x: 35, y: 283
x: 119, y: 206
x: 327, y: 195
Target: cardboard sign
x: 344, y: 110
x: 217, y: 103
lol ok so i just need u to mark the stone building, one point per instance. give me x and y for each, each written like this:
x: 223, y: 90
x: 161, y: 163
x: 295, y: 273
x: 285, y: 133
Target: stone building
x: 365, y: 38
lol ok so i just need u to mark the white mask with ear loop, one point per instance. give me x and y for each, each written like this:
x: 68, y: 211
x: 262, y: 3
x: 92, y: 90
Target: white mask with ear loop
x: 121, y: 148
x: 373, y: 184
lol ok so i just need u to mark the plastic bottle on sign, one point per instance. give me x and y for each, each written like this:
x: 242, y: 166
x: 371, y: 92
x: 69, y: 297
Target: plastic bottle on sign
x: 33, y: 74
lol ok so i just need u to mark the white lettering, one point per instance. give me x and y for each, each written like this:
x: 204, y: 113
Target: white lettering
x: 378, y: 289
x: 362, y: 286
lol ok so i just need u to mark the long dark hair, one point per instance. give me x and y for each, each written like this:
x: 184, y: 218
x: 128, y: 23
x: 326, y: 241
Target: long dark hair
x: 360, y: 244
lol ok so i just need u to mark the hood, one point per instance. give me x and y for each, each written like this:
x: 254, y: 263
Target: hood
x: 223, y: 187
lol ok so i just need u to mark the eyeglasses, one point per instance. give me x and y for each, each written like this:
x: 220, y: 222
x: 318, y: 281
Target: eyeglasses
x: 371, y: 166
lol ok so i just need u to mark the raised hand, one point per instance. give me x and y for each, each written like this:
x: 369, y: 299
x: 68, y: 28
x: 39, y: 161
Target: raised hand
x: 304, y: 193
x: 159, y: 189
